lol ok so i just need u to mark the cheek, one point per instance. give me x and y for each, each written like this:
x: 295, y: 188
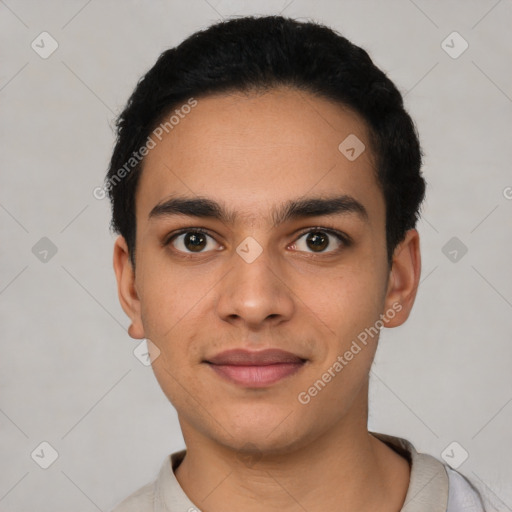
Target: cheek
x: 346, y: 302
x: 171, y: 298
x: 173, y: 306
x: 170, y: 320
x: 181, y: 389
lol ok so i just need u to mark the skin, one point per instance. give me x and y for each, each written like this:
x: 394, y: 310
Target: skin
x: 261, y: 449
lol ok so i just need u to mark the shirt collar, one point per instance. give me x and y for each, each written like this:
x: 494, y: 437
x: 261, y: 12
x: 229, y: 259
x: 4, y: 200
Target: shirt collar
x: 428, y: 484
x: 427, y: 492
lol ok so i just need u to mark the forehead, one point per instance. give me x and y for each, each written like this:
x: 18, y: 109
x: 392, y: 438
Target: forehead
x: 256, y: 151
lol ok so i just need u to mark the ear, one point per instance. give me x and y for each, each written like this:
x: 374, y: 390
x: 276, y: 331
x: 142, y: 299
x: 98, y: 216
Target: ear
x: 126, y: 290
x: 403, y: 279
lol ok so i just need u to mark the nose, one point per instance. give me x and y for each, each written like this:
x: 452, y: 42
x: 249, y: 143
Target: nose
x: 255, y: 294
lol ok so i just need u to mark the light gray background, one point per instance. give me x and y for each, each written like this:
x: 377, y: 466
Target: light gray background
x: 68, y: 373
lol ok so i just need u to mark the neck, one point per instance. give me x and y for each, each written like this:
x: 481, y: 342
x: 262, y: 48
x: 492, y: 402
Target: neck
x: 344, y: 469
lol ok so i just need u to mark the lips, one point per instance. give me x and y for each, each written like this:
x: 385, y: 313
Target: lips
x: 255, y: 369
x: 240, y: 357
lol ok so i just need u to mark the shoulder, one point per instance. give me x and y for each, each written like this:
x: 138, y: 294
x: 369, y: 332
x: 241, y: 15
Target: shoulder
x: 434, y: 486
x: 462, y: 495
x: 140, y: 501
x: 164, y: 494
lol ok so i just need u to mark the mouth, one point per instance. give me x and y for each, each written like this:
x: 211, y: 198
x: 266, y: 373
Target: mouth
x: 255, y: 369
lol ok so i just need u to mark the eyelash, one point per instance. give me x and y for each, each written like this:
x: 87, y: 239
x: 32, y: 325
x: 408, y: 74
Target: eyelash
x: 342, y: 237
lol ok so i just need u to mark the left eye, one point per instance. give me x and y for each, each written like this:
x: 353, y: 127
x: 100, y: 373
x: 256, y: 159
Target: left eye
x: 318, y: 240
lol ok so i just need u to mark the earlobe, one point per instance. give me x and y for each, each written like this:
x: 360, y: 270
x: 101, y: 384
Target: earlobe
x: 126, y: 289
x: 403, y: 279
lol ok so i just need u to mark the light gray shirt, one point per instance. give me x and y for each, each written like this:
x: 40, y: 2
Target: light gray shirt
x: 433, y: 486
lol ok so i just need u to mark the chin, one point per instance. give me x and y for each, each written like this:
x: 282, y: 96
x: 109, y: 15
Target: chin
x: 274, y: 437
x: 255, y: 444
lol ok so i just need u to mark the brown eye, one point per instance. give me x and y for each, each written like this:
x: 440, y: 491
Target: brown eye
x: 192, y: 241
x: 317, y: 240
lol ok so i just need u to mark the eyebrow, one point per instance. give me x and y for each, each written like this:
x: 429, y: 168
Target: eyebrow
x: 294, y: 209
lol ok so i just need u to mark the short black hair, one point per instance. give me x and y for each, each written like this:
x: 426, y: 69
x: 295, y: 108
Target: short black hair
x: 257, y: 54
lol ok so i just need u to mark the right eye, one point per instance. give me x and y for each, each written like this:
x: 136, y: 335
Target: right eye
x: 190, y: 241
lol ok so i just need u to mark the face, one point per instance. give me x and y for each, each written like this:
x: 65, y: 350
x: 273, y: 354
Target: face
x: 274, y: 271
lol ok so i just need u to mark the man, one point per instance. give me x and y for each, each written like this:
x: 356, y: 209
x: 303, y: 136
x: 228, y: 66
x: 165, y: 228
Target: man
x: 266, y: 185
